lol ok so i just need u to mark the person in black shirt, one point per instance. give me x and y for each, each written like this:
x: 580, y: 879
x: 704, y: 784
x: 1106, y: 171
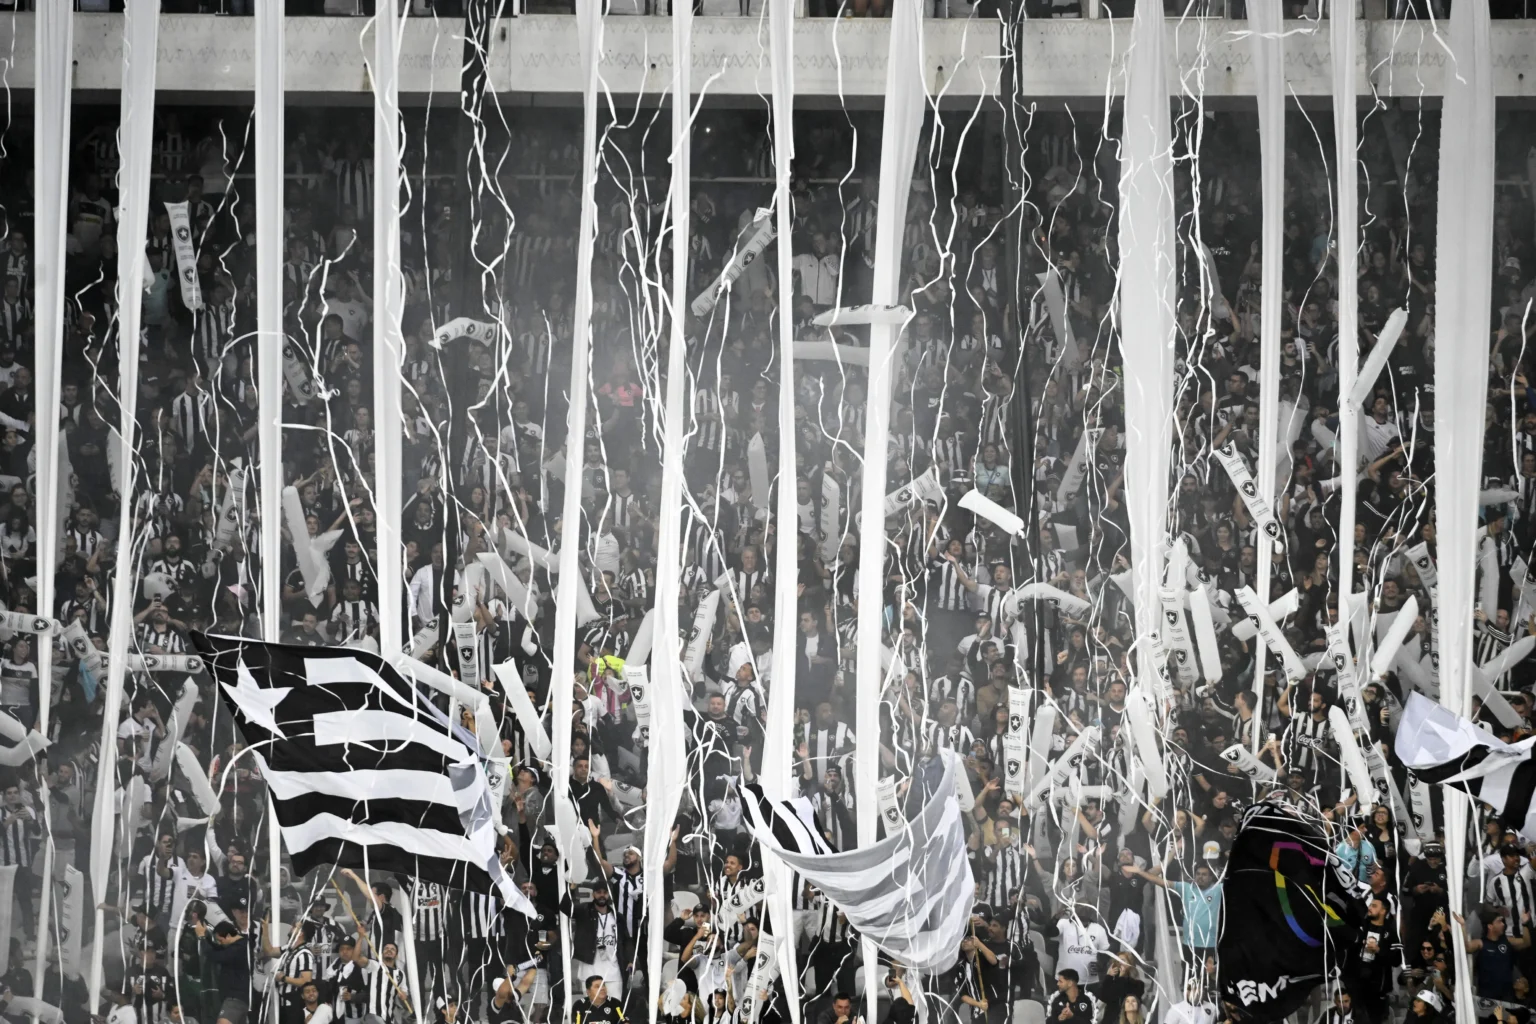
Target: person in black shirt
x: 597, y: 1007
x: 903, y: 1010
x: 1069, y: 1002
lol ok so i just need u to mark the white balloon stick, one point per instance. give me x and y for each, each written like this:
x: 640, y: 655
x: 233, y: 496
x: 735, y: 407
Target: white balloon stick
x: 1365, y: 383
x: 975, y: 501
x: 1381, y: 661
x: 1205, y: 634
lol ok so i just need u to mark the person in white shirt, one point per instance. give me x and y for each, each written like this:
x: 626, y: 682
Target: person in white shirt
x: 817, y: 272
x: 315, y: 1012
x: 1192, y: 1009
x: 195, y: 882
x: 1081, y: 939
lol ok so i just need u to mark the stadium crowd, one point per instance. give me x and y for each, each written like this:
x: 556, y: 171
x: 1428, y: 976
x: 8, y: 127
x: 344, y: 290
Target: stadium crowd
x: 994, y: 392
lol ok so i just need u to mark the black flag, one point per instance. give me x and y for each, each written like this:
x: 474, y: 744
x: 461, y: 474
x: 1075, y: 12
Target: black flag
x: 1292, y: 913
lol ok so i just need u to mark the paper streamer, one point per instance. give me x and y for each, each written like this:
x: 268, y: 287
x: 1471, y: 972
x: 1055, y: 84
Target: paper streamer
x: 1205, y: 634
x: 740, y: 260
x: 1386, y: 650
x: 1066, y: 767
x: 1245, y: 630
x: 1143, y: 730
x: 1256, y: 503
x: 186, y: 255
x: 7, y: 911
x: 1295, y: 671
x: 869, y: 313
x: 517, y: 699
x: 986, y: 508
x: 1365, y: 383
x: 699, y: 634
x: 1249, y: 765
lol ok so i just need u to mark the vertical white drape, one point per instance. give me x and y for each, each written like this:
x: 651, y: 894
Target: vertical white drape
x: 1346, y: 133
x: 1269, y: 75
x: 270, y: 338
x: 589, y: 31
x: 54, y: 28
x: 1147, y: 317
x: 1463, y: 295
x: 388, y: 342
x: 778, y: 735
x: 388, y: 356
x: 906, y: 100
x: 666, y: 769
x: 141, y: 30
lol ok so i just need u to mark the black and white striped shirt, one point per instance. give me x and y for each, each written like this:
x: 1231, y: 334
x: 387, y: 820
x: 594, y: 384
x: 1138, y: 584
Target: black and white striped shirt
x: 1514, y: 893
x: 428, y: 919
x: 480, y: 917
x: 628, y: 893
x: 159, y: 893
x: 1005, y: 873
x: 946, y: 589
x: 1306, y: 736
x: 383, y: 991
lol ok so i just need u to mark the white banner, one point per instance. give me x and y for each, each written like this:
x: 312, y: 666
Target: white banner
x: 1258, y: 504
x: 72, y: 921
x: 229, y: 516
x: 890, y: 810
x: 1270, y: 633
x: 1066, y: 766
x: 638, y: 679
x: 1176, y: 636
x: 735, y: 906
x: 21, y: 622
x: 464, y: 642
x: 831, y: 518
x: 1077, y: 469
x: 924, y: 488
x: 869, y: 313
x: 185, y: 663
x: 1424, y: 565
x: 698, y: 636
x: 755, y: 244
x: 463, y: 327
x: 186, y: 255
x: 1249, y: 765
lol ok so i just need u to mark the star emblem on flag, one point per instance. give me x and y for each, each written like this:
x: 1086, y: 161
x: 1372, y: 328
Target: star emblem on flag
x: 257, y: 703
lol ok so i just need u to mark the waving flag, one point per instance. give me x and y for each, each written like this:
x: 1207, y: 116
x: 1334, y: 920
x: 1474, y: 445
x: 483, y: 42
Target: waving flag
x: 911, y: 893
x: 1439, y: 746
x: 361, y: 765
x: 1292, y: 912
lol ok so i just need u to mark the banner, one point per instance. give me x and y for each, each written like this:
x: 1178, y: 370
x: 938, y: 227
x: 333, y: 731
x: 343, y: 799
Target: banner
x: 890, y: 811
x: 21, y: 622
x: 186, y: 255
x: 1176, y: 636
x: 463, y: 327
x: 698, y: 636
x: 638, y: 679
x: 831, y: 518
x: 71, y: 921
x: 1424, y: 565
x: 468, y: 650
x: 743, y: 257
x: 869, y: 313
x: 765, y: 971
x: 425, y: 640
x: 1270, y: 633
x: 1249, y: 765
x: 925, y: 488
x: 1066, y: 766
x: 734, y: 906
x: 297, y: 375
x: 1257, y: 504
x: 229, y: 516
x: 186, y: 663
x: 1077, y: 469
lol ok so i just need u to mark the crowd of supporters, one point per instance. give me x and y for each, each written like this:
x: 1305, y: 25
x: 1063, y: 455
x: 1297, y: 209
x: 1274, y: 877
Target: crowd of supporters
x: 994, y: 392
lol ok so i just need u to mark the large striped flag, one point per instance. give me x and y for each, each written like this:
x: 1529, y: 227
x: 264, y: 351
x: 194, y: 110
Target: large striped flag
x: 1439, y: 746
x: 363, y: 770
x: 911, y: 893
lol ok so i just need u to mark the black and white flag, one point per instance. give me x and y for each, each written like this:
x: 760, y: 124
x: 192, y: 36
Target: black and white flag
x: 361, y: 766
x: 911, y: 893
x: 1439, y: 746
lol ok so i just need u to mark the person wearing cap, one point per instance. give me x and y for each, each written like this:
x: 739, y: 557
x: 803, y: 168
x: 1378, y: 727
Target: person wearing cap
x: 626, y: 889
x: 1426, y: 1007
x: 1510, y: 890
x: 597, y: 944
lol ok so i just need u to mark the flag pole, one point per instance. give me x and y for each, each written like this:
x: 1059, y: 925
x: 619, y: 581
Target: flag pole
x: 372, y: 953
